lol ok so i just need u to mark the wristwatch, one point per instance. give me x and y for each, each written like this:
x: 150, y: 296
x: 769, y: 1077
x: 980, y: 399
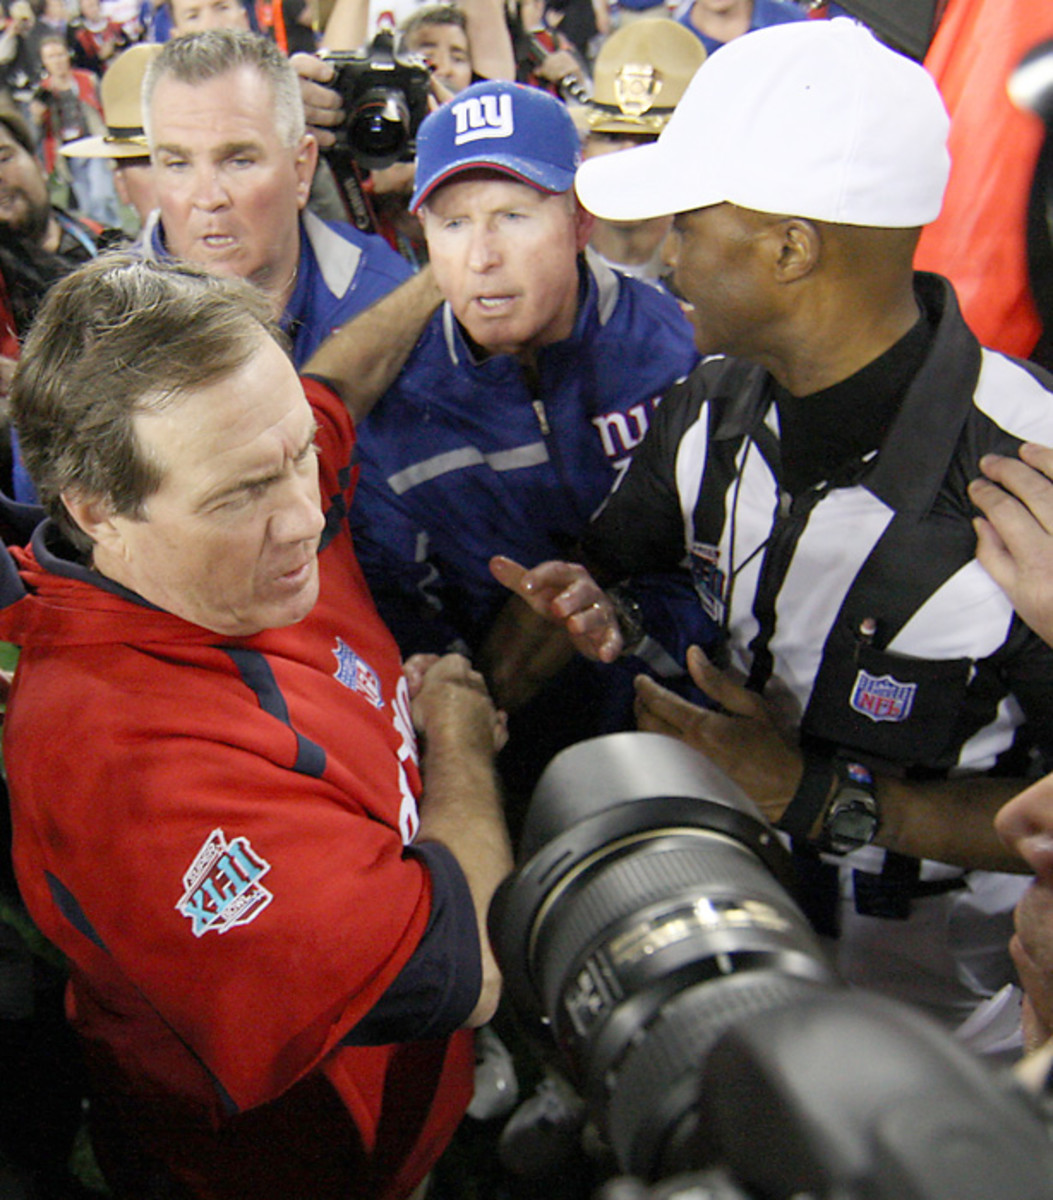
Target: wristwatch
x: 851, y: 819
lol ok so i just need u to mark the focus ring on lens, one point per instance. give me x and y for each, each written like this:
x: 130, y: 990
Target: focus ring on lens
x: 652, y: 869
x: 656, y: 1089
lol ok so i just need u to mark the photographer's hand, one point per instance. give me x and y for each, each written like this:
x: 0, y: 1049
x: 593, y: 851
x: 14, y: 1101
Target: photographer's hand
x: 438, y: 94
x: 741, y: 737
x: 321, y: 103
x: 396, y: 180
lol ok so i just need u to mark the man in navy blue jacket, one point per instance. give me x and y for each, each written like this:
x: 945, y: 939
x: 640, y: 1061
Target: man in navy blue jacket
x: 520, y: 403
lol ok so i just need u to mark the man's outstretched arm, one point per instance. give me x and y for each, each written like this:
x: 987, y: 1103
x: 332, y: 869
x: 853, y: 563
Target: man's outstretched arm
x: 363, y: 358
x: 557, y: 608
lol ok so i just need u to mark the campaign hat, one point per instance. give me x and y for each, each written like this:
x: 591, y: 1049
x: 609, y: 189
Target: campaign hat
x: 640, y: 75
x: 122, y: 109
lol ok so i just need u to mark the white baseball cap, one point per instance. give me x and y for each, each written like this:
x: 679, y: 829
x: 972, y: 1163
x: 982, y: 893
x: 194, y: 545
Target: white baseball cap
x: 809, y: 119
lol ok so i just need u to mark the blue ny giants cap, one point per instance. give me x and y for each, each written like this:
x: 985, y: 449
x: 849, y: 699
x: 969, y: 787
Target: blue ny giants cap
x: 520, y: 131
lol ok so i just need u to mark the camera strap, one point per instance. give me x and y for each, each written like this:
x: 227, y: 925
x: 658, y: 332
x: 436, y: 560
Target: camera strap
x: 887, y: 896
x: 890, y: 894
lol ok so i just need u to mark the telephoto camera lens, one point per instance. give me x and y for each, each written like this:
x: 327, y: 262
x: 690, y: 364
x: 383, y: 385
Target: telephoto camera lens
x: 651, y: 909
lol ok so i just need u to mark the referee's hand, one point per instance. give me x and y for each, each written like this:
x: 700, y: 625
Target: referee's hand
x: 565, y: 594
x: 742, y: 737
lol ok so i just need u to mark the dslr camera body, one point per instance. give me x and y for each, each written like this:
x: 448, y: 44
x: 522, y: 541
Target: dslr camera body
x: 385, y: 97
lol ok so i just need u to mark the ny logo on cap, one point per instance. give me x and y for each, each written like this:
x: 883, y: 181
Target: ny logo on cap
x: 482, y: 117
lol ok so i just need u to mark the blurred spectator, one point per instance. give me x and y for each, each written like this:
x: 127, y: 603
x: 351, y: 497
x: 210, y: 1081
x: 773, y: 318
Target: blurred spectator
x: 54, y: 20
x: 62, y: 240
x: 439, y: 33
x: 24, y: 203
x: 979, y: 239
x: 20, y: 67
x: 70, y: 109
x: 718, y: 21
x: 127, y: 14
x: 193, y: 16
x: 124, y: 144
x: 432, y: 29
x: 98, y: 38
x: 27, y: 270
x: 641, y: 72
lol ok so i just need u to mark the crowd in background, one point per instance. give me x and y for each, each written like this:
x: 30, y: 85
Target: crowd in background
x: 53, y: 55
x: 63, y: 199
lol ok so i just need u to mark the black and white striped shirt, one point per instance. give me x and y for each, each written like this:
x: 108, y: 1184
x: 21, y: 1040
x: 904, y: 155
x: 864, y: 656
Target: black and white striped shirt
x: 860, y: 599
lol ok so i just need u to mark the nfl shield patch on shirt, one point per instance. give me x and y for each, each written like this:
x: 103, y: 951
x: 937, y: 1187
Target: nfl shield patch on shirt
x: 355, y: 673
x: 882, y: 698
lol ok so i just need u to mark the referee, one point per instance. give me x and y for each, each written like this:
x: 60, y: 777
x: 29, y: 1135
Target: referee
x: 878, y: 697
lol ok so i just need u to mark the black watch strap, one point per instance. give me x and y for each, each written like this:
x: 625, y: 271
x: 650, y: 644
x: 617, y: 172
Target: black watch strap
x: 817, y: 782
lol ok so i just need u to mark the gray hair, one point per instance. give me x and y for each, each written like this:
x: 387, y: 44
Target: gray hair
x: 201, y: 57
x: 119, y: 337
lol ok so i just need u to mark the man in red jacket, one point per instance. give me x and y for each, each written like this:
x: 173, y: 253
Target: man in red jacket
x: 271, y: 897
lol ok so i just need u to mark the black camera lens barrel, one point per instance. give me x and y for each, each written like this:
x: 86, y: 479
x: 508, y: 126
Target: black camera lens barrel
x: 651, y: 1115
x: 644, y: 954
x: 379, y: 126
x: 596, y: 775
x: 524, y: 900
x: 648, y: 931
x: 651, y: 910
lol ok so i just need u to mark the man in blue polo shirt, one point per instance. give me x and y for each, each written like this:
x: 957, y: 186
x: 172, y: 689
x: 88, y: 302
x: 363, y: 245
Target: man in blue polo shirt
x: 233, y: 164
